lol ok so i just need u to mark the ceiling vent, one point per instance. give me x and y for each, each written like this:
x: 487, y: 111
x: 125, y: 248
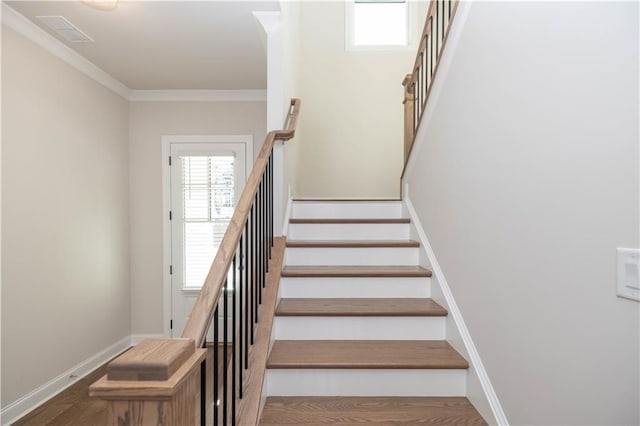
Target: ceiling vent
x: 64, y: 28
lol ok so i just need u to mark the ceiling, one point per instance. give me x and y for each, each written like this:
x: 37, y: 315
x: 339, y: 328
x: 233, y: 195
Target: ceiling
x: 165, y: 45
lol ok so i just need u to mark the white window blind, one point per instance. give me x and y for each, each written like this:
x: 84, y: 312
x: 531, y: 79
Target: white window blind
x: 208, y: 202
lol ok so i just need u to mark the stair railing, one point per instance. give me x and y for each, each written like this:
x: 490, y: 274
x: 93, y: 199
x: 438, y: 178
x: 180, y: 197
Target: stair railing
x: 417, y: 84
x: 163, y: 381
x: 242, y: 258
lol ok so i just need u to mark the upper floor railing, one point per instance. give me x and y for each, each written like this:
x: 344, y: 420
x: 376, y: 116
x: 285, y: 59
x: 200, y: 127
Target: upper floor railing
x: 417, y: 84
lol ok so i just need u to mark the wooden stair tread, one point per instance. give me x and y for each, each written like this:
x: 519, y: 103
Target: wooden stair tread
x: 363, y: 307
x: 341, y: 410
x: 364, y: 354
x: 354, y: 271
x: 345, y: 200
x: 348, y: 220
x: 351, y: 243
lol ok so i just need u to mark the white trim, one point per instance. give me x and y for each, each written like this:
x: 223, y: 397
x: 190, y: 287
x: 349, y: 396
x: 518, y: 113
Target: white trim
x: 37, y: 397
x: 448, y: 53
x: 166, y: 141
x: 287, y: 214
x: 455, y: 313
x: 413, y: 23
x: 28, y: 29
x: 198, y: 96
x: 268, y: 20
x: 33, y: 32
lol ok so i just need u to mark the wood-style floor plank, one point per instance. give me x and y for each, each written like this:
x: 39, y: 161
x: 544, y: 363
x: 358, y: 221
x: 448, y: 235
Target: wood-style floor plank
x: 343, y: 411
x: 352, y: 243
x: 349, y: 220
x: 363, y: 307
x: 74, y: 407
x: 354, y: 271
x: 346, y: 200
x: 364, y: 354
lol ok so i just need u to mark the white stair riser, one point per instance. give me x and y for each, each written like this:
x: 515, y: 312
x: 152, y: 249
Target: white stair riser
x: 360, y: 209
x: 355, y: 287
x: 351, y: 256
x: 348, y: 382
x: 348, y: 231
x: 364, y: 328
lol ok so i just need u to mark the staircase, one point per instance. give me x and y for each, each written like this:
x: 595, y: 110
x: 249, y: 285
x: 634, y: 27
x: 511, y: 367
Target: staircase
x: 357, y: 337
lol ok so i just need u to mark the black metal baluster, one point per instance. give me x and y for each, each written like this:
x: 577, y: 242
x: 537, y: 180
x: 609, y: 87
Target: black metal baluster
x: 266, y: 210
x: 428, y: 56
x: 203, y: 388
x: 233, y: 341
x: 255, y: 259
x: 437, y: 30
x: 270, y: 203
x: 413, y: 93
x: 241, y: 334
x: 415, y: 108
x: 259, y: 240
x: 419, y: 86
x: 443, y: 7
x: 265, y: 253
x: 216, y: 365
x: 250, y: 268
x: 423, y: 84
x: 432, y: 49
x: 261, y: 232
x: 225, y: 343
x: 271, y: 195
x: 246, y: 298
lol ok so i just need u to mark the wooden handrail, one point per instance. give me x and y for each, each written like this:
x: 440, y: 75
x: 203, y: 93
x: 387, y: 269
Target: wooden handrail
x: 417, y: 84
x: 205, y: 306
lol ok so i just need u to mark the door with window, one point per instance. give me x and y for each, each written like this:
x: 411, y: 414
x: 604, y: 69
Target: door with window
x: 206, y: 182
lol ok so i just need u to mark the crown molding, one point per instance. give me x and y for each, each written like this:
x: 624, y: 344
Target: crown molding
x: 198, y: 96
x: 23, y: 26
x: 28, y: 29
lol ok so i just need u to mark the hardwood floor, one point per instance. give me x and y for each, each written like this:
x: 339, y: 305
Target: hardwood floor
x: 74, y: 407
x: 363, y: 307
x: 71, y: 407
x: 364, y: 354
x: 328, y: 271
x: 369, y: 410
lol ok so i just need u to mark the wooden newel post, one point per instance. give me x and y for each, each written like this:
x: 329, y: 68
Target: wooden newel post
x: 408, y: 115
x: 155, y: 383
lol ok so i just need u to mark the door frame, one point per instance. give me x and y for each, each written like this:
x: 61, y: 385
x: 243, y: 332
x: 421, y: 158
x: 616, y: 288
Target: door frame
x: 167, y: 141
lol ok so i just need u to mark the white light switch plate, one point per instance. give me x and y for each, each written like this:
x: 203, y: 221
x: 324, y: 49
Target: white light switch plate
x: 629, y: 273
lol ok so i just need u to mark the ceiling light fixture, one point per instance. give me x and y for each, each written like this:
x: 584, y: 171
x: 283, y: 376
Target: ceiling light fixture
x: 101, y: 4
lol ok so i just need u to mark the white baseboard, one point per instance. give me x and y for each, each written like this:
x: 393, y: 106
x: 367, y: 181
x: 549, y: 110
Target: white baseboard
x: 438, y: 278
x: 287, y: 215
x: 37, y: 397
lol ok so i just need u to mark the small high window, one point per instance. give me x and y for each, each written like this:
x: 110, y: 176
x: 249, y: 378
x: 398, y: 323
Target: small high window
x: 373, y: 23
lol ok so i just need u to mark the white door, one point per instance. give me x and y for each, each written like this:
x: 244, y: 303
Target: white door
x: 206, y: 183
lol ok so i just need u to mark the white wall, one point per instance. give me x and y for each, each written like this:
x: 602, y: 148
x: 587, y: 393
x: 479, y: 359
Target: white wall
x: 526, y: 180
x: 351, y: 142
x: 65, y: 289
x: 149, y: 121
x: 290, y: 21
